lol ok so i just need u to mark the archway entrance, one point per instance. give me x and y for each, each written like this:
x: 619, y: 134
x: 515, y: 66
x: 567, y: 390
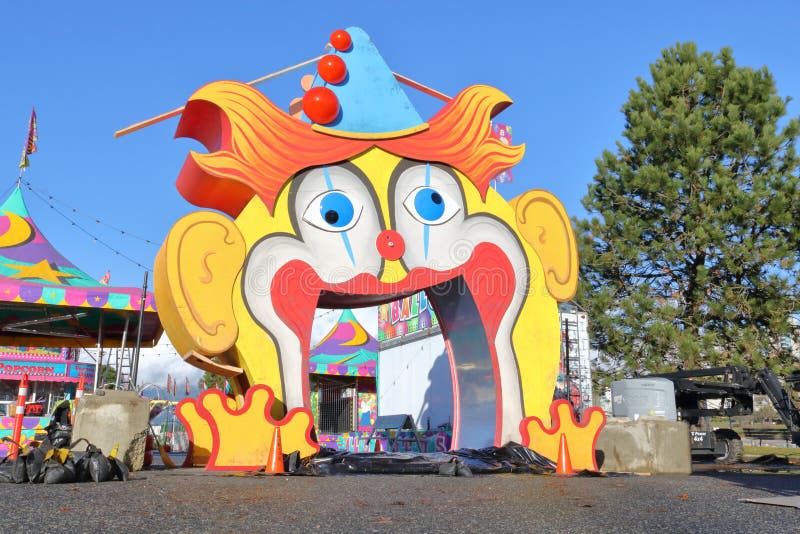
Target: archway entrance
x: 415, y: 375
x: 354, y: 377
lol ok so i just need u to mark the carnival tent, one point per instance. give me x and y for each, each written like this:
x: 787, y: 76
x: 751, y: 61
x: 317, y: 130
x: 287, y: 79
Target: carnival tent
x: 46, y: 301
x: 347, y: 350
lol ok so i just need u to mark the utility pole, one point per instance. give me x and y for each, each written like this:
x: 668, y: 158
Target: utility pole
x: 135, y: 373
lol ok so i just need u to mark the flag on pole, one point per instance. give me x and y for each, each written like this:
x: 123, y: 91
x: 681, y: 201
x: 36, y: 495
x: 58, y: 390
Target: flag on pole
x: 174, y: 387
x: 106, y: 278
x: 187, y: 386
x: 30, y: 142
x: 169, y: 383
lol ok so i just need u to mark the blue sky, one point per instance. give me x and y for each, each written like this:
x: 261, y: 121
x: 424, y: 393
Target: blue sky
x: 91, y: 68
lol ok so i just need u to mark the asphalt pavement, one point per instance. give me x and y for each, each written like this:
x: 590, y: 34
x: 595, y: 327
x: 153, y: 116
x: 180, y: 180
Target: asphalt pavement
x: 193, y: 500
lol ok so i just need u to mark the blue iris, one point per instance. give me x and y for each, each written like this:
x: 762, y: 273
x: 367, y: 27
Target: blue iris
x: 336, y: 209
x: 429, y: 204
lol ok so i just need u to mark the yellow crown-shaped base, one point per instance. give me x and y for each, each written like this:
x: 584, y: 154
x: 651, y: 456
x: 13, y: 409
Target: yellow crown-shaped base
x: 581, y: 437
x: 234, y: 438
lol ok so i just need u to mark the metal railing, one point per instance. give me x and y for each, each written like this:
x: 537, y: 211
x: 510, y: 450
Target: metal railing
x: 337, y: 406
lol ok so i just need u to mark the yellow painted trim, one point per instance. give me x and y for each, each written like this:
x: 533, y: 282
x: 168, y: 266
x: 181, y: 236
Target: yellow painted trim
x: 359, y: 135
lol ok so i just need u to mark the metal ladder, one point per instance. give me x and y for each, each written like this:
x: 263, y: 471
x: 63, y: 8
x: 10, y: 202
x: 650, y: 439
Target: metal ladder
x: 124, y: 362
x: 124, y: 366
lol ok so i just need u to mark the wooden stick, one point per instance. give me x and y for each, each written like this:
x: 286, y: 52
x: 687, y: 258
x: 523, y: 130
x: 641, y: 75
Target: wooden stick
x: 177, y: 111
x: 149, y: 122
x: 423, y: 88
x: 285, y: 71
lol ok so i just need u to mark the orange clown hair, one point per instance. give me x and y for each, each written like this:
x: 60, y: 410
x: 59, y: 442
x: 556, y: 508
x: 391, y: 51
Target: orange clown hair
x: 255, y: 148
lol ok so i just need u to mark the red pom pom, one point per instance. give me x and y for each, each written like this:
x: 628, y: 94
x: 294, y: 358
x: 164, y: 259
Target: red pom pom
x: 341, y: 40
x: 320, y: 105
x: 332, y: 69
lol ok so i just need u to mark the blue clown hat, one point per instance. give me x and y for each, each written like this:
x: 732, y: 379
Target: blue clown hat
x: 354, y: 93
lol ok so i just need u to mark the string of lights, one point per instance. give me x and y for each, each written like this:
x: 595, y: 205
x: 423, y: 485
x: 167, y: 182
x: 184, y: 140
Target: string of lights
x: 162, y: 352
x: 85, y: 231
x: 51, y: 198
x: 326, y: 312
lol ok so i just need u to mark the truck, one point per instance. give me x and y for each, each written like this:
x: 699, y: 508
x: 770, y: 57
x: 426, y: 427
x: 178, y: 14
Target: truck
x: 728, y: 391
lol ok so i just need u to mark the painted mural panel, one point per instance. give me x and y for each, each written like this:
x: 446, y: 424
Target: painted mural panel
x: 367, y: 409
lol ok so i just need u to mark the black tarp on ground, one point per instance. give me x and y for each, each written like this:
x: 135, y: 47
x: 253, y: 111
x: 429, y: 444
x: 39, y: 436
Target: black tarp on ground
x: 512, y: 458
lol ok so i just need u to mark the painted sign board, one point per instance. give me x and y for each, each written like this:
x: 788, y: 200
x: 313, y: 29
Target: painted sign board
x: 405, y: 316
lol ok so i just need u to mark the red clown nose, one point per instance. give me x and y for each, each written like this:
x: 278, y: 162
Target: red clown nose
x: 390, y: 245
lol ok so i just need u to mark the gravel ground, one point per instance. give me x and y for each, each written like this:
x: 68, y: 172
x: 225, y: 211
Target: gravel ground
x: 192, y: 500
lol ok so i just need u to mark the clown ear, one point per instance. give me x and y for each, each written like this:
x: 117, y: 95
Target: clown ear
x: 543, y: 223
x: 194, y: 276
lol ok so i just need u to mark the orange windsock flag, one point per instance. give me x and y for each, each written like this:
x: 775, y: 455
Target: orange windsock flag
x: 30, y: 142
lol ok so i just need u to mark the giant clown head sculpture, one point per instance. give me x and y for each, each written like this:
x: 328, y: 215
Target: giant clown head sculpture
x: 356, y: 203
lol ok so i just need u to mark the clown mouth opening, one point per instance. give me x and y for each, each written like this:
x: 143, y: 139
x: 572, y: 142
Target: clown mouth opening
x: 476, y: 307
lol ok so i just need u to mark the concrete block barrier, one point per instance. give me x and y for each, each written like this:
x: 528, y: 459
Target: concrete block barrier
x: 111, y: 418
x: 647, y: 445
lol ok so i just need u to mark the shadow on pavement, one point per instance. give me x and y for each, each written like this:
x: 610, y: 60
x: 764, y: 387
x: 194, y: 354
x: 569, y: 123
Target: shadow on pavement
x: 786, y: 482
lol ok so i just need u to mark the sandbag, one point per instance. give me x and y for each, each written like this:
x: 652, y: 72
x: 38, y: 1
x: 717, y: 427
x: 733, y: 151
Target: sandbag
x: 93, y: 466
x: 118, y: 468
x: 34, y: 465
x: 59, y: 434
x: 98, y: 468
x: 59, y: 431
x: 59, y: 467
x: 13, y: 470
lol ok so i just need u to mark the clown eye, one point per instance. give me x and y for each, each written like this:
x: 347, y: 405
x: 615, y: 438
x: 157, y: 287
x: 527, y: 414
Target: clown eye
x: 430, y: 206
x: 333, y: 211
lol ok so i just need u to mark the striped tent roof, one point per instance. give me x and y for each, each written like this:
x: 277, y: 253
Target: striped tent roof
x: 46, y: 300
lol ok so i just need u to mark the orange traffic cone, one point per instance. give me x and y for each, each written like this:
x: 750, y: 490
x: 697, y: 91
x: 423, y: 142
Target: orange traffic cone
x: 189, y: 461
x: 564, y: 464
x: 275, y: 458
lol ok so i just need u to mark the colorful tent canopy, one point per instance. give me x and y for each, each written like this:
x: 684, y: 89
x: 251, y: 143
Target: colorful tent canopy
x: 45, y: 300
x: 347, y: 350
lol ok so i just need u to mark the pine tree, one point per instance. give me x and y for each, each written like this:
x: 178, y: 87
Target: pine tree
x: 689, y: 256
x: 108, y: 376
x: 210, y: 380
